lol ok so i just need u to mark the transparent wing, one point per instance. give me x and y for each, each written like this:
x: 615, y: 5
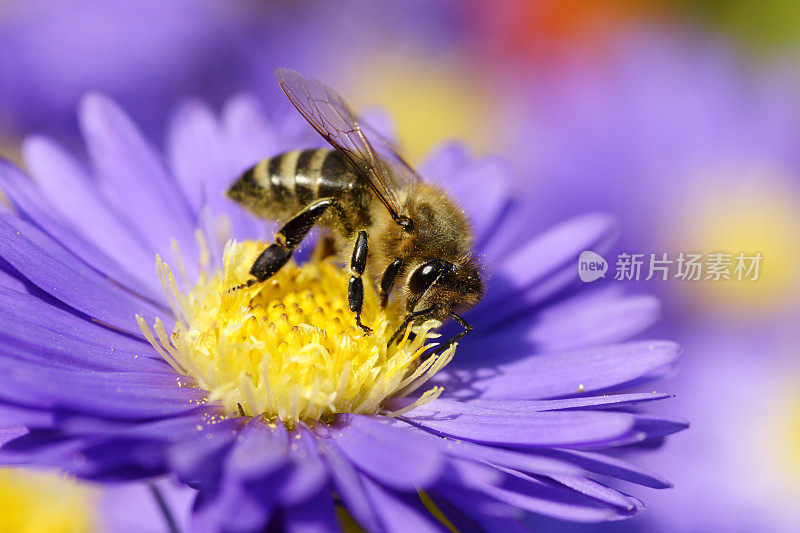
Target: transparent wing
x: 330, y: 115
x: 401, y: 173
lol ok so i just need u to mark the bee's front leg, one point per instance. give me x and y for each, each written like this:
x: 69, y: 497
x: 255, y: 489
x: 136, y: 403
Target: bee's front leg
x: 286, y: 240
x: 355, y: 289
x: 457, y: 337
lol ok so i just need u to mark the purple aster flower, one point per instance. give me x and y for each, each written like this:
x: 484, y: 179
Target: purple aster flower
x: 113, y: 372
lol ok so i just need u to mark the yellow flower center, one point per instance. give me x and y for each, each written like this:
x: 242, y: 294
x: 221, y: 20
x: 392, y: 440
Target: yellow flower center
x: 41, y: 502
x: 289, y: 347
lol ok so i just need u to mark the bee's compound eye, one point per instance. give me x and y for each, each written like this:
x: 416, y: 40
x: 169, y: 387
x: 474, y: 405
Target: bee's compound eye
x: 425, y: 274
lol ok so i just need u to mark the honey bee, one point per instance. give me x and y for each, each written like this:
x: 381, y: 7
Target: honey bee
x: 376, y: 208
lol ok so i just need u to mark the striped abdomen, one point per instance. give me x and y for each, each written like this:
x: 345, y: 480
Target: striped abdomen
x: 278, y: 188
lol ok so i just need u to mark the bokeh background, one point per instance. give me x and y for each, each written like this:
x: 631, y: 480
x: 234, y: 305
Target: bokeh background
x: 681, y: 117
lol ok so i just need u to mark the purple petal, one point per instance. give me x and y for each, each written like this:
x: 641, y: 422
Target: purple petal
x: 11, y: 415
x: 553, y: 375
x: 129, y: 395
x: 369, y: 442
x: 595, y: 490
x: 482, y: 190
x: 587, y: 320
x: 445, y: 163
x: 649, y: 430
x: 348, y: 483
x: 398, y: 514
x: 308, y: 473
x: 10, y: 278
x: 655, y: 426
x: 484, y: 514
x: 231, y: 508
x: 67, y: 185
x: 381, y: 122
x: 37, y: 313
x: 32, y: 206
x: 41, y: 447
x: 317, y: 515
x: 47, y: 265
x: 463, y: 473
x: 250, y: 136
x: 606, y: 400
x: 9, y: 433
x: 194, y: 151
x: 29, y: 336
x: 523, y: 408
x: 251, y: 480
x: 565, y: 428
x: 133, y: 179
x: 545, y: 265
x: 540, y: 497
x: 199, y: 460
x: 186, y: 426
x: 200, y: 161
x: 609, y: 466
x: 107, y: 460
x: 259, y: 452
x: 518, y: 460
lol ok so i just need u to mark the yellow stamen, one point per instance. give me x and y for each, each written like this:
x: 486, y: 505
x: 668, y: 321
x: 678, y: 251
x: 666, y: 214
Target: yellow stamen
x: 289, y: 347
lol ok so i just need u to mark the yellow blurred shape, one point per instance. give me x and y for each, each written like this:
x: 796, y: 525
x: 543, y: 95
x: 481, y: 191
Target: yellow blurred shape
x: 745, y: 209
x: 791, y: 442
x: 430, y: 101
x: 781, y: 432
x: 38, y: 502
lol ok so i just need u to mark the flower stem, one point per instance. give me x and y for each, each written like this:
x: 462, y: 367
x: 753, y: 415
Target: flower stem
x: 172, y: 525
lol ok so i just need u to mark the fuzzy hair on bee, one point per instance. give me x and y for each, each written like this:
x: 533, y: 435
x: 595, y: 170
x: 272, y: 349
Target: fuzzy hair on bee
x: 381, y: 218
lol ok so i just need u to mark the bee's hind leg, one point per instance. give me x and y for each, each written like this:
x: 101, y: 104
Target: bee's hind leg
x: 287, y: 239
x: 355, y: 289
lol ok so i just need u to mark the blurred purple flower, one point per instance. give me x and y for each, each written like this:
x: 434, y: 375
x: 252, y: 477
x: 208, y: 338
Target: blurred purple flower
x: 695, y: 148
x: 629, y: 131
x: 150, y: 54
x: 147, y: 54
x: 745, y: 472
x: 532, y: 417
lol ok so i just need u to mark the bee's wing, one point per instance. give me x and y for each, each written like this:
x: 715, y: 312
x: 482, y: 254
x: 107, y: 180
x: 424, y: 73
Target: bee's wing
x: 332, y: 118
x: 401, y: 173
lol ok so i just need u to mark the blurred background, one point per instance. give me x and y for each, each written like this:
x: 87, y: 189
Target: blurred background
x: 681, y: 117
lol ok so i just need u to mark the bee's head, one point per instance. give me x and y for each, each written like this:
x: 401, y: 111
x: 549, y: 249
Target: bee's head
x: 444, y: 286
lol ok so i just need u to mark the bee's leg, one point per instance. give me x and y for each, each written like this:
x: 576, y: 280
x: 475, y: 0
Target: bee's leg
x: 387, y: 281
x: 457, y: 337
x: 409, y: 318
x: 355, y: 289
x: 286, y: 240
